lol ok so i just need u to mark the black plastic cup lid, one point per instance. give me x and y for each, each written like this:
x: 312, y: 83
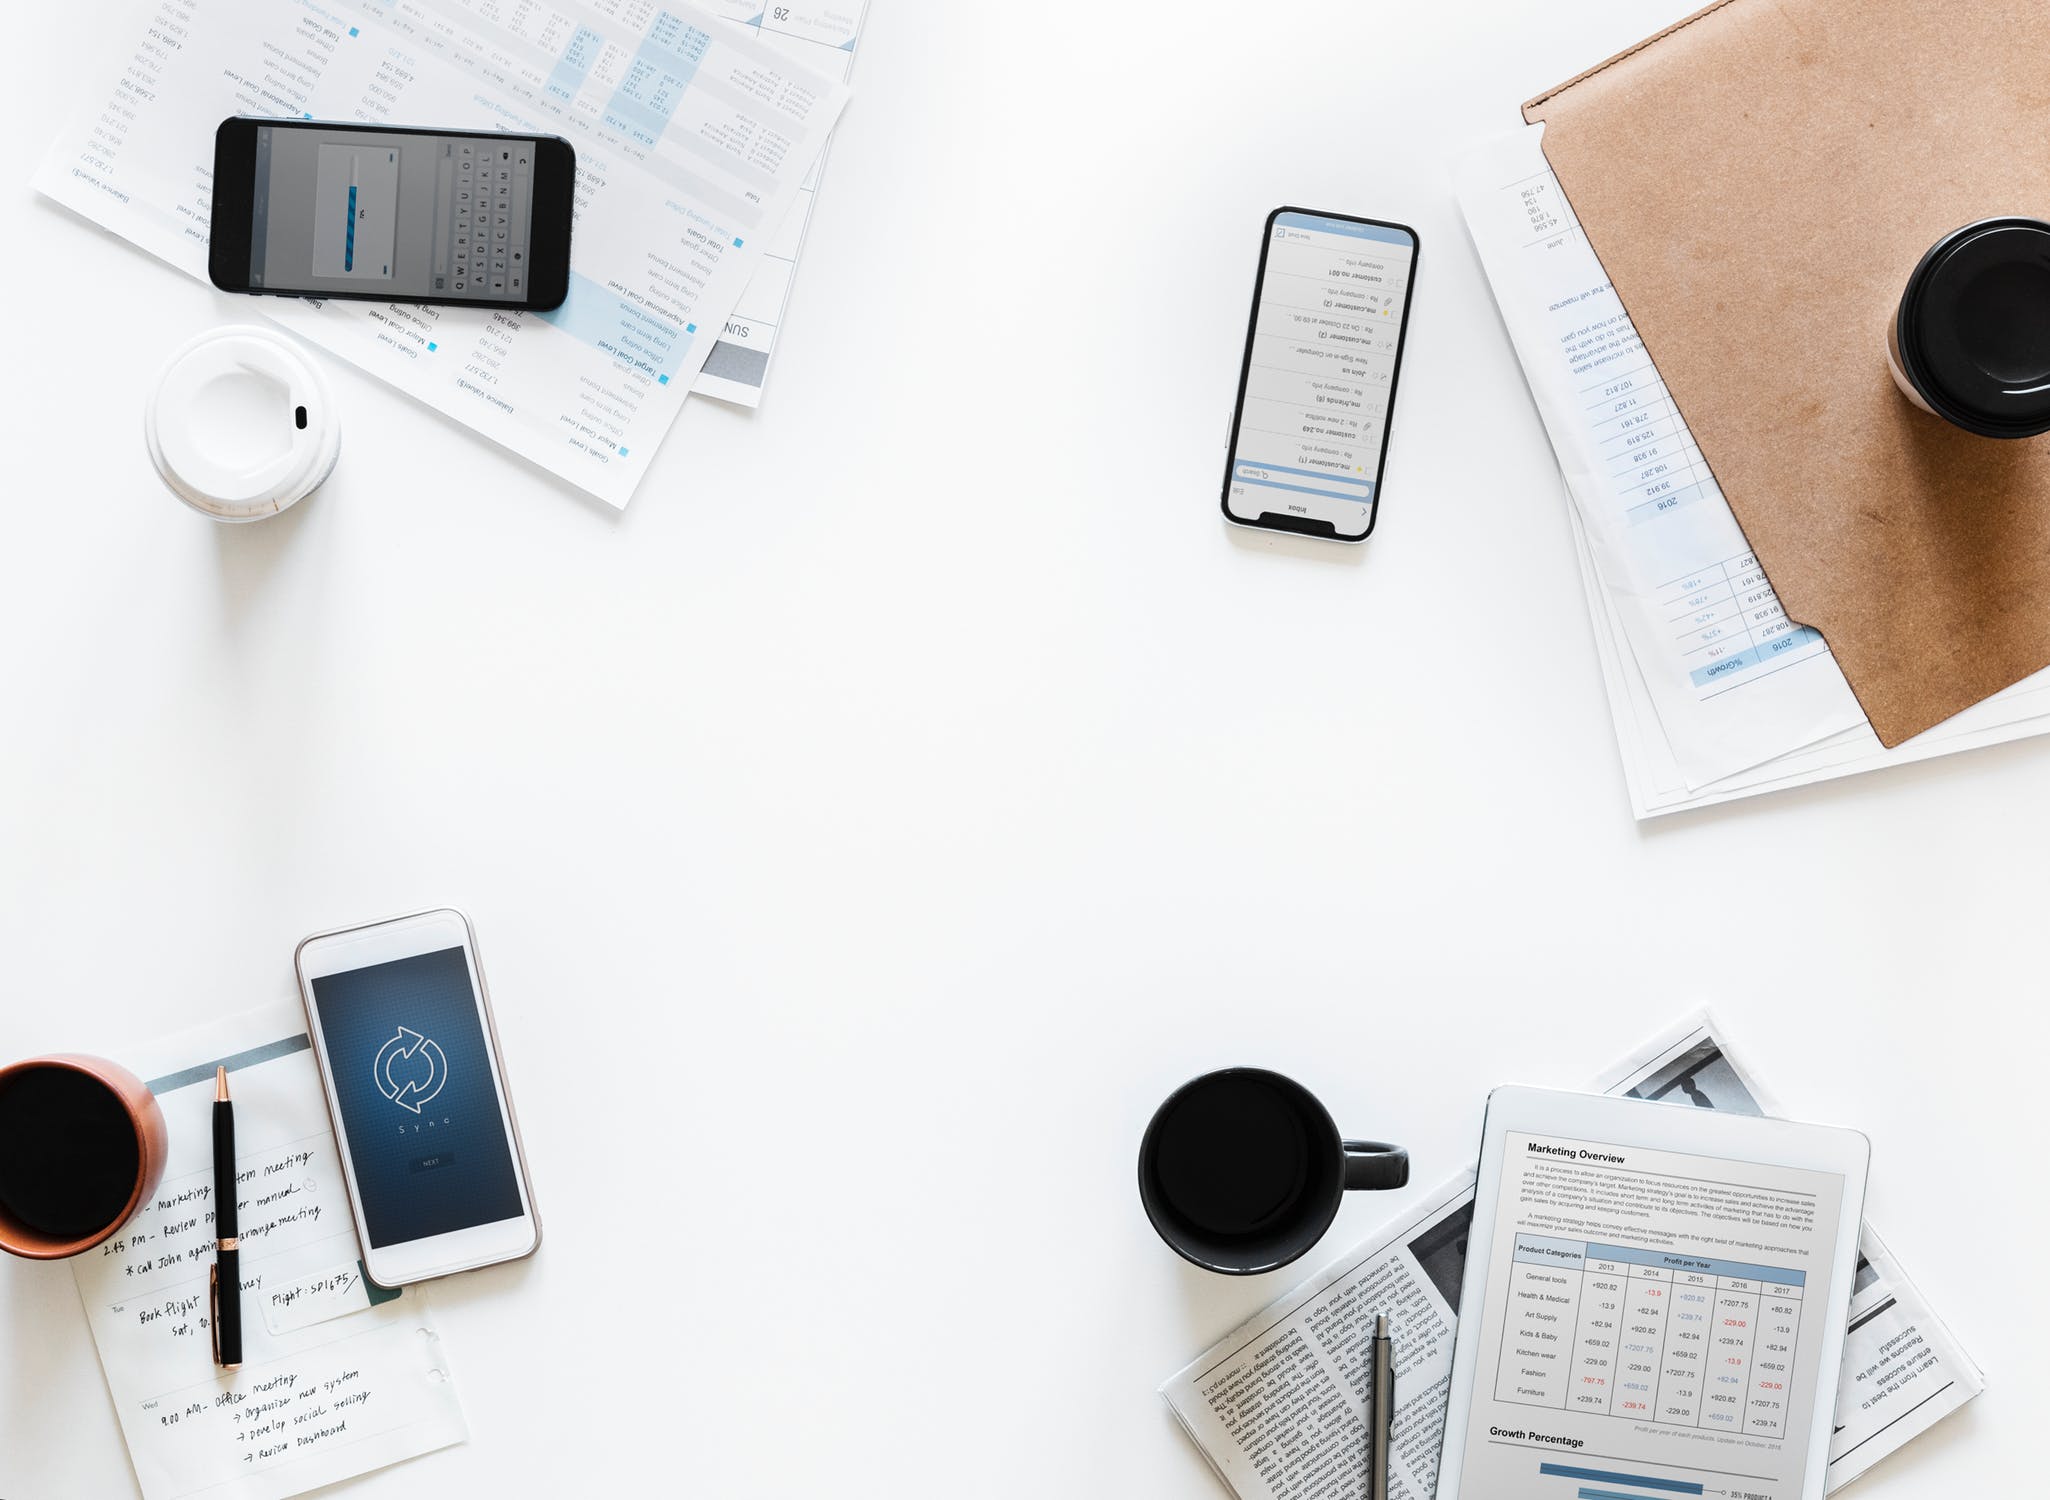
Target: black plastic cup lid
x: 1974, y: 327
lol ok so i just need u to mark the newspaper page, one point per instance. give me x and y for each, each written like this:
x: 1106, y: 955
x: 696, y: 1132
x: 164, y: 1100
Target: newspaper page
x: 1279, y: 1405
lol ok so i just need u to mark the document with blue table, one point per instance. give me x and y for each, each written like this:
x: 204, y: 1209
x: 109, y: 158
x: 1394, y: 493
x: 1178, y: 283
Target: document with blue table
x: 694, y: 138
x: 1715, y: 692
x: 1279, y: 1405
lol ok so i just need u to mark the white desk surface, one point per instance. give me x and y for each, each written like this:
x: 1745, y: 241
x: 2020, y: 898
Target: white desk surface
x: 871, y: 825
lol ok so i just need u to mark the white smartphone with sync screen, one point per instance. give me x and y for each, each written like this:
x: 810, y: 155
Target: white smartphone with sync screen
x: 1309, y: 431
x: 401, y: 1025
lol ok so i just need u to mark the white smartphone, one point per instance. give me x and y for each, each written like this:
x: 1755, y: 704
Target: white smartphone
x: 401, y: 1024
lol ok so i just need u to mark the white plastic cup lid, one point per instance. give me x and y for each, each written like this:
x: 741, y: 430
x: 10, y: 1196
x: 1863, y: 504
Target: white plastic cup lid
x: 241, y: 425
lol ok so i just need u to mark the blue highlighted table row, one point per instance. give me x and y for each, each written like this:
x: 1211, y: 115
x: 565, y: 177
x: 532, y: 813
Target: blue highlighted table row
x: 1538, y: 1249
x: 1751, y: 656
x: 632, y: 334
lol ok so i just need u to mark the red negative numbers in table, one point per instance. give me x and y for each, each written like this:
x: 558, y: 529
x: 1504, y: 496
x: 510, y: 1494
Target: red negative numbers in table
x: 1649, y: 1335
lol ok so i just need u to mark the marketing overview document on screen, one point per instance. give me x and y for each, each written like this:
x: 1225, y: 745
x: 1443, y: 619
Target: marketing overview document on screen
x: 1652, y: 1320
x: 693, y: 140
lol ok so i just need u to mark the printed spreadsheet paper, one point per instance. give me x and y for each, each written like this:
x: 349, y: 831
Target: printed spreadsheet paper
x: 824, y: 37
x: 1714, y: 692
x: 694, y: 139
x: 1279, y: 1405
x: 337, y: 1378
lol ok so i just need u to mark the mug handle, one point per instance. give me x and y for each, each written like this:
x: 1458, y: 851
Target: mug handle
x: 1375, y: 1165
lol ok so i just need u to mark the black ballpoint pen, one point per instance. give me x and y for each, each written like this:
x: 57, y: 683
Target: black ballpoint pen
x: 1381, y: 1415
x: 224, y: 1285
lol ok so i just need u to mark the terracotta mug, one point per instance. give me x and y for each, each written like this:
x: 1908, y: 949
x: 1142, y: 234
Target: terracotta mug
x: 82, y: 1146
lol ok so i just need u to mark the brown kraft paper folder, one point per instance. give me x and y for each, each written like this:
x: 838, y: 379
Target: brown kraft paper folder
x: 1758, y: 182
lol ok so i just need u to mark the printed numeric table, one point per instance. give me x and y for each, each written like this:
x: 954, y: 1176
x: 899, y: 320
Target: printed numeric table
x: 1649, y: 1335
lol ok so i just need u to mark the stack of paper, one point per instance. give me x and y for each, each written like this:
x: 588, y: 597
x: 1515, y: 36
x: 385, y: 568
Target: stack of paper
x: 1715, y: 693
x: 1279, y: 1405
x: 823, y: 36
x: 696, y: 138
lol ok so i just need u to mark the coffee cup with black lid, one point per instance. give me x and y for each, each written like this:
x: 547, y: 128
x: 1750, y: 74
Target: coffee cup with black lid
x: 82, y: 1146
x: 1242, y: 1170
x: 1970, y: 340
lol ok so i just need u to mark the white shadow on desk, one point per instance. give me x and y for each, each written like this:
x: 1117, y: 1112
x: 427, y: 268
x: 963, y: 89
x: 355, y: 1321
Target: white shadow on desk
x: 1933, y: 1453
x: 1286, y: 544
x: 503, y: 1284
x: 552, y: 487
x: 1215, y: 1304
x: 1879, y: 782
x: 248, y: 554
x: 47, y: 1335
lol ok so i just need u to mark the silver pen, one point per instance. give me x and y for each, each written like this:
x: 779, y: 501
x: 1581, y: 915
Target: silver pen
x: 1381, y: 1413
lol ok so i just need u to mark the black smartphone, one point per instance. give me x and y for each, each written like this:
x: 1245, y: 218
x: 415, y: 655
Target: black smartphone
x: 1309, y: 430
x: 313, y: 208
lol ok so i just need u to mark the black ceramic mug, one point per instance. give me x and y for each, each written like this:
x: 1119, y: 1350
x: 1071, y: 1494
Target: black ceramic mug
x: 1242, y: 1170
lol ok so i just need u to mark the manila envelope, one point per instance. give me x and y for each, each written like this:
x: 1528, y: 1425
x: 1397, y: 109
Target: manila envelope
x: 1759, y: 180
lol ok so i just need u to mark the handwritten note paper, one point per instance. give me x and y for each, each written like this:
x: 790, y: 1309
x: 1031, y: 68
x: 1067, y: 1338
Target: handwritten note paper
x: 338, y: 1377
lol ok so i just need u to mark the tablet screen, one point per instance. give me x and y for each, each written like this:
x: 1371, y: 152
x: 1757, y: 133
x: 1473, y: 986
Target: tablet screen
x: 1653, y: 1322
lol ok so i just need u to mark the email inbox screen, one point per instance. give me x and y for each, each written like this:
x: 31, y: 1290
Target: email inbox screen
x: 1315, y: 414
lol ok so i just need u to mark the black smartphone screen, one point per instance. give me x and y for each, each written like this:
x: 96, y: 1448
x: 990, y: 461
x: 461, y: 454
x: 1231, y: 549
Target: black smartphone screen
x: 1309, y: 432
x: 310, y: 208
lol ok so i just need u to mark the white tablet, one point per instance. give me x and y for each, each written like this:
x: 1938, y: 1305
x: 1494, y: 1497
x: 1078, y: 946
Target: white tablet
x: 1653, y: 1305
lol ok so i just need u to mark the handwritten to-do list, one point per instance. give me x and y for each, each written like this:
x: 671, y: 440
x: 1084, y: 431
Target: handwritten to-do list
x: 338, y: 1376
